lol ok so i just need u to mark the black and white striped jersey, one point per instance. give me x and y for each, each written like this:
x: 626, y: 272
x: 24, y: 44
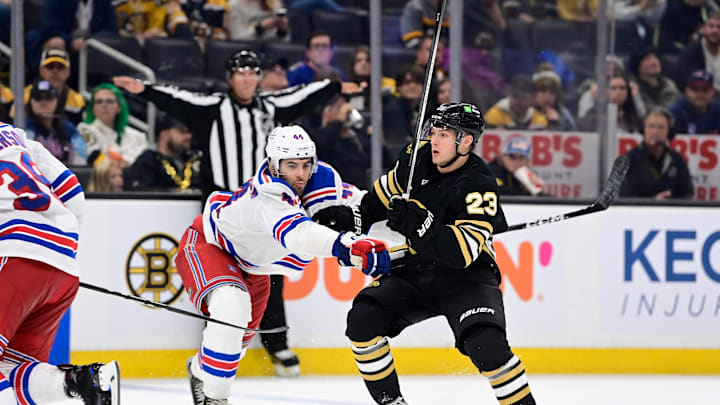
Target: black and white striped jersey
x: 230, y: 135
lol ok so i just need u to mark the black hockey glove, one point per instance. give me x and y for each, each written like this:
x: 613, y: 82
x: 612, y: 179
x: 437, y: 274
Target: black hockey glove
x: 411, y: 220
x: 340, y: 218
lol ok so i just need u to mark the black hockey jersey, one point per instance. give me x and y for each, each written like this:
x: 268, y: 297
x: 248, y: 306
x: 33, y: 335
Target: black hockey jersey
x: 465, y: 204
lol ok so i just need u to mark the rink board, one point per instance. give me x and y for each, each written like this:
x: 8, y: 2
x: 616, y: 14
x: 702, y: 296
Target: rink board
x: 630, y: 290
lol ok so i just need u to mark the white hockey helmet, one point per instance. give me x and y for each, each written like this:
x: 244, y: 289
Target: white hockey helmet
x: 291, y: 142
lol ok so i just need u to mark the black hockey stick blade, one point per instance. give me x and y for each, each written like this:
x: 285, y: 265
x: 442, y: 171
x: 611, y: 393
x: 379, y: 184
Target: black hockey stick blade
x: 614, y: 181
x: 607, y: 196
x: 178, y: 310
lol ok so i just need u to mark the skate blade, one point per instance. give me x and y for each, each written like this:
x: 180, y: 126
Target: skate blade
x: 110, y: 381
x: 287, y: 372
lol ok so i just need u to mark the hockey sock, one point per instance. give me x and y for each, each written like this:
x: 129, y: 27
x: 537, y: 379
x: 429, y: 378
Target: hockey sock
x: 375, y: 362
x: 222, y: 347
x: 37, y: 383
x: 510, y: 383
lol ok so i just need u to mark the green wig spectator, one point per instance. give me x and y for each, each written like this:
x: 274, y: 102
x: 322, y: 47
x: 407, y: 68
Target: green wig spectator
x: 121, y: 120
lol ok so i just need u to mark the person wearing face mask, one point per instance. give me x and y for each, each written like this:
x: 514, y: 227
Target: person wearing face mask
x: 106, y: 126
x: 44, y: 125
x: 231, y: 129
x: 656, y: 170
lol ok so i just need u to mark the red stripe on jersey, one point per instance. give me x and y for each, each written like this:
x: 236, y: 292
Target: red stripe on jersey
x: 68, y: 185
x: 53, y: 237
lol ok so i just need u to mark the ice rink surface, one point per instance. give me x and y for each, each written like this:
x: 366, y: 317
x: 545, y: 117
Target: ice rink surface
x: 441, y: 390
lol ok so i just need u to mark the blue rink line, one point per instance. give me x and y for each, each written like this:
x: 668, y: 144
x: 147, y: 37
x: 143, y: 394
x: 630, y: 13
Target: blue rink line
x: 269, y: 398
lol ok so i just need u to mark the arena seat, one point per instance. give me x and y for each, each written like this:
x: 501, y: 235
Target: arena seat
x: 101, y: 67
x: 345, y: 28
x: 300, y: 26
x: 293, y: 52
x: 395, y: 58
x: 172, y: 58
x: 557, y: 35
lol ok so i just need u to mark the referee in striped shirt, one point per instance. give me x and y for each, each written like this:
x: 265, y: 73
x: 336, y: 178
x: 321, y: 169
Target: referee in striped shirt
x: 232, y: 128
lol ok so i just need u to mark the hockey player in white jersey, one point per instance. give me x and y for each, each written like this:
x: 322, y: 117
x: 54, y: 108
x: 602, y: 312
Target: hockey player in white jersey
x: 228, y: 253
x: 41, y: 202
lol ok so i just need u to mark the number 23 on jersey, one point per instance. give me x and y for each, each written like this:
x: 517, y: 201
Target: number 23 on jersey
x: 482, y: 203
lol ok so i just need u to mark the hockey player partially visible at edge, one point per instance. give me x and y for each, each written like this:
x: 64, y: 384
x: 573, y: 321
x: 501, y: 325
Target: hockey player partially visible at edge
x: 41, y: 202
x: 229, y: 251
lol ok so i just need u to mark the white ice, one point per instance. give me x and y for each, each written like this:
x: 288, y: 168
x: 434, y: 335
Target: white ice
x: 441, y: 390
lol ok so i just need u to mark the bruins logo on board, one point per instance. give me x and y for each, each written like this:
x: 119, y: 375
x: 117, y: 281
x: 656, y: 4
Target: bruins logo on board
x: 150, y: 269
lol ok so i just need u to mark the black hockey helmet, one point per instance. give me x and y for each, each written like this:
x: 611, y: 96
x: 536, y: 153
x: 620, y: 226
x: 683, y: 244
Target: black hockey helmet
x: 241, y: 60
x: 464, y: 118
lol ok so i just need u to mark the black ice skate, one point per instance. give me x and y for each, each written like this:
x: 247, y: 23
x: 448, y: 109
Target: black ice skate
x: 95, y: 384
x: 286, y: 363
x: 196, y: 386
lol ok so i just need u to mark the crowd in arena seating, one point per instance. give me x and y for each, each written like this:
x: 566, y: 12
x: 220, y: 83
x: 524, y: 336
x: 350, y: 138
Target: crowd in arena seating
x: 528, y: 64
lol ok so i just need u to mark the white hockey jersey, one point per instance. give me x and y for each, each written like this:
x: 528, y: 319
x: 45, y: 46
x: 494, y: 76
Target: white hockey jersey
x: 266, y: 226
x: 40, y: 203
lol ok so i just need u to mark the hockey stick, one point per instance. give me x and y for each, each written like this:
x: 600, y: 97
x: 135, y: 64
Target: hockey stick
x: 429, y: 69
x: 177, y: 310
x: 607, y: 196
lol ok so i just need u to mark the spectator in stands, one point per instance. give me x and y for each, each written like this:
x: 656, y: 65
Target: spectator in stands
x: 648, y: 11
x: 309, y: 5
x: 655, y: 89
x: 207, y: 18
x: 259, y: 20
x: 614, y: 66
x: 549, y: 90
x: 680, y: 23
x: 511, y: 169
x: 106, y: 126
x: 400, y: 111
x: 705, y: 53
x: 274, y: 75
x: 56, y: 134
x: 656, y: 170
x: 107, y: 175
x: 359, y: 73
x: 517, y: 111
x: 173, y: 167
x: 697, y: 112
x: 143, y: 19
x: 423, y: 55
x: 319, y: 52
x: 418, y: 20
x: 439, y: 94
x: 66, y: 24
x: 577, y: 10
x: 343, y: 142
x: 628, y: 118
x: 529, y: 10
x: 55, y: 68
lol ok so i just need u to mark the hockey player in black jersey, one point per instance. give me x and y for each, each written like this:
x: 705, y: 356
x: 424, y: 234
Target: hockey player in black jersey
x: 450, y: 267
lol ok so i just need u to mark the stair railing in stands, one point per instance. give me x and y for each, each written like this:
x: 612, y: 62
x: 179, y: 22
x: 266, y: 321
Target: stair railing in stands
x: 149, y: 125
